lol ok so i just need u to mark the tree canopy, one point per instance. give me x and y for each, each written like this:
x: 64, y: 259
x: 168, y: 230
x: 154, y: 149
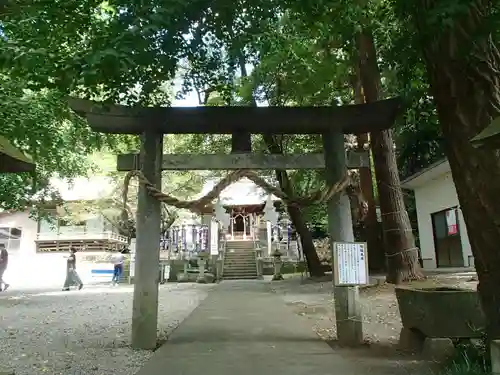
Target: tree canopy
x: 40, y: 124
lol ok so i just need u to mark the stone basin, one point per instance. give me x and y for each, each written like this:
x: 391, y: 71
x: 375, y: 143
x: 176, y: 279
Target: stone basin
x: 441, y: 312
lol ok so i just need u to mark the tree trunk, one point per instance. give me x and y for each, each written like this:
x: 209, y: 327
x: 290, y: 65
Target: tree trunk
x: 306, y: 240
x: 296, y: 217
x: 463, y: 65
x: 376, y: 253
x: 402, y: 254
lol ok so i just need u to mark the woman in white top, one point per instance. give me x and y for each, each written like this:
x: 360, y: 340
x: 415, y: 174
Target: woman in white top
x: 118, y: 259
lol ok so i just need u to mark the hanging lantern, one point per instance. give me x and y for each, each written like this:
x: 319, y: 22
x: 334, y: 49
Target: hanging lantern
x: 183, y: 238
x: 194, y: 237
x: 204, y: 238
x: 175, y: 238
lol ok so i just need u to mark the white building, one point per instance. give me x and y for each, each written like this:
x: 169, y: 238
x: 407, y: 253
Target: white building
x: 37, y: 248
x: 443, y: 236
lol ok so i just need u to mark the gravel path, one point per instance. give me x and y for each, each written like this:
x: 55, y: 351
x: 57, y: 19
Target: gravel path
x: 381, y: 321
x: 83, y: 332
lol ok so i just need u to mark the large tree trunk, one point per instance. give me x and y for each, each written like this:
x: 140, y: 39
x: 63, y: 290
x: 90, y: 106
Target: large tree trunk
x: 402, y: 254
x: 463, y: 67
x: 306, y: 240
x: 376, y: 253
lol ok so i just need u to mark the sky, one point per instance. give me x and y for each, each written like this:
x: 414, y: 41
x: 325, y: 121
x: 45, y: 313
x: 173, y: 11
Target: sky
x: 191, y: 100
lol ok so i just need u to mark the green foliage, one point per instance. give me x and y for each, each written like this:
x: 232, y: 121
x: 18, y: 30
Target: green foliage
x: 180, y: 184
x: 469, y: 359
x: 40, y: 124
x: 276, y: 52
x: 110, y: 48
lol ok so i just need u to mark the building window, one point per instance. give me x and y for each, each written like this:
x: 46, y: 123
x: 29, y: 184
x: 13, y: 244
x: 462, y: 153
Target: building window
x: 447, y: 241
x: 66, y: 223
x: 11, y: 238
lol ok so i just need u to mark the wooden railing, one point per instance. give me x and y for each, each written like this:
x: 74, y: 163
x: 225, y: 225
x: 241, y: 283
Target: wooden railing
x: 83, y: 236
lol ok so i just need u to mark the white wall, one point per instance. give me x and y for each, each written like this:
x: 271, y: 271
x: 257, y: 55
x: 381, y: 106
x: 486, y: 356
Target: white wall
x: 434, y: 196
x: 29, y: 269
x: 28, y: 226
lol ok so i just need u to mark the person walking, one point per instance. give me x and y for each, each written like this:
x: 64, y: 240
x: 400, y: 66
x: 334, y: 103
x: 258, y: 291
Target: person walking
x: 118, y: 260
x: 72, y: 277
x: 4, y: 261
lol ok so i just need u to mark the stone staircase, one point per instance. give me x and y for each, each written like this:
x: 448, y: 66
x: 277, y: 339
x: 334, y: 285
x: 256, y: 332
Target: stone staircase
x: 239, y: 261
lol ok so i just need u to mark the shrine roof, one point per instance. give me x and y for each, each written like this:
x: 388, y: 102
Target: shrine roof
x: 351, y: 119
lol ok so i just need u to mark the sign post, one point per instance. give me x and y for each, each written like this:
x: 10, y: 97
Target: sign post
x: 350, y: 270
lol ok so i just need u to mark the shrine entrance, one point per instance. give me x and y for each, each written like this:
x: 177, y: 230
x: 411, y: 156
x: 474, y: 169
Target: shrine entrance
x: 331, y: 123
x: 242, y: 224
x: 239, y: 225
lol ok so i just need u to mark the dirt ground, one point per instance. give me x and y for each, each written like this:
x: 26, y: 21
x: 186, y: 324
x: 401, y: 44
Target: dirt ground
x: 313, y: 299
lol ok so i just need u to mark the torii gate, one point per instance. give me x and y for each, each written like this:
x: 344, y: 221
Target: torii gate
x: 152, y: 122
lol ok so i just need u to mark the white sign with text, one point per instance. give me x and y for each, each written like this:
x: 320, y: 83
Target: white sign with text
x: 350, y: 263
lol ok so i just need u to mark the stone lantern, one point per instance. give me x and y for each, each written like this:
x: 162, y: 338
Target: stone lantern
x: 224, y: 220
x: 272, y: 216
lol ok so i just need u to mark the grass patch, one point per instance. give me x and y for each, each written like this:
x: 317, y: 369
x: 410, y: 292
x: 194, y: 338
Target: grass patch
x: 470, y: 359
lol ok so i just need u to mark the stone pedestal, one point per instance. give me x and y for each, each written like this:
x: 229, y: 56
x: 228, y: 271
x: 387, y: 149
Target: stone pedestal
x: 219, y: 265
x: 411, y: 340
x: 438, y: 349
x: 495, y: 357
x: 260, y: 263
x: 278, y: 263
x: 202, y: 258
x: 183, y: 276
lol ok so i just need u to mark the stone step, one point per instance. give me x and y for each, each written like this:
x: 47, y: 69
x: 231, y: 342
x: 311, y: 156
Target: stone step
x: 237, y: 257
x: 239, y: 277
x: 240, y: 266
x: 238, y: 270
x: 241, y: 271
x: 247, y: 264
x: 248, y: 245
x: 243, y: 257
x: 240, y: 261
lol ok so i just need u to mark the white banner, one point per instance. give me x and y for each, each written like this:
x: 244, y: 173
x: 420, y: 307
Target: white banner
x: 451, y: 221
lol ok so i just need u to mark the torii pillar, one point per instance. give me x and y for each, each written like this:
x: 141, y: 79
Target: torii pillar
x: 348, y: 312
x: 147, y: 256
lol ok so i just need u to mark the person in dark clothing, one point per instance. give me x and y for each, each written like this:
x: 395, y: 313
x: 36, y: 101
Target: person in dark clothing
x: 72, y: 277
x: 4, y: 261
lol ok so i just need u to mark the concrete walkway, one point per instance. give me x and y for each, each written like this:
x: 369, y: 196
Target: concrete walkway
x: 243, y: 329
